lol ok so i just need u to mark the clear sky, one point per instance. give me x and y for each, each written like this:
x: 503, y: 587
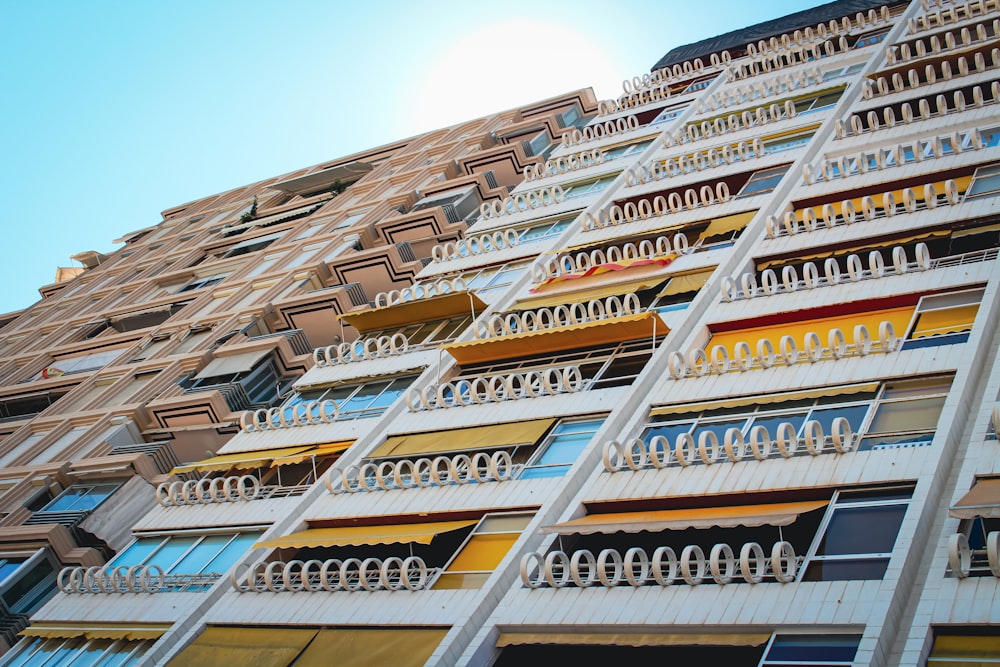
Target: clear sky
x: 113, y: 111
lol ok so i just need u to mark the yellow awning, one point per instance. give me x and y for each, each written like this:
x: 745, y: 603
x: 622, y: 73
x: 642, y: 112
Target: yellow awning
x: 779, y: 397
x: 132, y: 631
x: 240, y: 461
x: 945, y: 321
x: 983, y: 500
x: 318, y: 451
x: 654, y: 521
x: 256, y: 646
x: 858, y: 249
x: 970, y: 231
x: 633, y: 638
x: 353, y: 536
x: 964, y: 650
x: 415, y: 311
x: 483, y: 552
x: 728, y: 224
x: 464, y: 439
x: 649, y: 273
x: 366, y: 647
x: 688, y: 282
x: 600, y: 292
x: 549, y: 341
x: 900, y: 318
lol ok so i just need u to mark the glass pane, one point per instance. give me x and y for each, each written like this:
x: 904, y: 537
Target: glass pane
x: 137, y: 553
x: 670, y: 431
x: 8, y: 568
x: 918, y: 387
x: 41, y: 651
x: 67, y: 500
x: 862, y: 530
x: 564, y: 448
x: 814, y: 648
x: 232, y: 552
x: 917, y: 415
x: 504, y: 522
x: 771, y: 422
x: 449, y: 581
x: 171, y: 552
x: 854, y: 414
x: 91, y: 653
x: 196, y: 560
x: 844, y: 570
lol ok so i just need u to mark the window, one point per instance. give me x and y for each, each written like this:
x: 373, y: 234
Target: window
x: 482, y: 552
x: 357, y: 401
x: 26, y: 583
x: 559, y: 451
x: 425, y: 333
x: 870, y: 38
x: 604, y: 366
x: 353, y: 217
x: 77, y: 651
x: 81, y: 497
x: 493, y: 277
x: 625, y: 150
x: 971, y: 645
x: 818, y: 102
x: 545, y: 230
x: 857, y: 535
x: 825, y: 650
x: 262, y: 385
x: 26, y: 405
x: 840, y: 72
x: 187, y: 556
x: 985, y: 182
x: 668, y: 114
x: 784, y: 143
x: 198, y: 283
x: 251, y: 245
x: 905, y: 413
x: 944, y: 319
x: 582, y: 189
x: 80, y: 364
x: 763, y: 181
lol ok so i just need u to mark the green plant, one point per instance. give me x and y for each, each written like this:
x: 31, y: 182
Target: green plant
x: 252, y: 213
x: 337, y: 187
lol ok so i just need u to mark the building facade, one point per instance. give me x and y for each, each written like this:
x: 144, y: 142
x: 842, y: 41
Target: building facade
x: 706, y: 372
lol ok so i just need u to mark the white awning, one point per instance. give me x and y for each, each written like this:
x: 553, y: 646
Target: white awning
x: 236, y: 363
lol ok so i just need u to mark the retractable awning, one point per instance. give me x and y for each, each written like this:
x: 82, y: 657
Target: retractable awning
x: 771, y: 514
x: 779, y: 397
x: 416, y: 311
x: 327, y: 449
x: 363, y: 647
x: 983, y: 500
x: 260, y: 647
x: 464, y: 439
x: 233, y: 364
x: 240, y: 461
x: 353, y: 536
x: 68, y: 630
x: 632, y: 638
x: 550, y: 341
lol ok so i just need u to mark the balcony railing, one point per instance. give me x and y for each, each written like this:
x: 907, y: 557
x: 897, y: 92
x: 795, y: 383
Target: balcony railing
x: 636, y: 568
x: 770, y: 284
x: 221, y: 490
x: 717, y: 361
x: 333, y: 575
x: 479, y: 468
x: 130, y: 579
x: 551, y: 381
x: 965, y: 562
x: 705, y: 449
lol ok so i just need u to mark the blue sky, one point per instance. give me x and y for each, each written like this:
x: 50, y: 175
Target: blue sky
x: 112, y: 112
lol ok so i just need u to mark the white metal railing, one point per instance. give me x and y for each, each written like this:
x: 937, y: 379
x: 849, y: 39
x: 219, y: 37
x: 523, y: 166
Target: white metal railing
x: 658, y: 206
x: 706, y: 449
x: 716, y: 361
x: 609, y: 568
x: 915, y: 78
x: 523, y: 201
x: 479, y: 468
x: 130, y: 579
x: 563, y: 315
x: 659, y: 170
x: 770, y: 284
x: 807, y: 220
x: 564, y: 164
x: 598, y: 131
x: 749, y: 118
x: 963, y: 561
x: 214, y: 490
x: 333, y: 575
x: 496, y: 388
x: 945, y: 15
x: 857, y: 126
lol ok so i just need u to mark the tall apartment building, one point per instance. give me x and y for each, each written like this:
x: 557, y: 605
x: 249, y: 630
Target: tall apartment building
x: 708, y: 372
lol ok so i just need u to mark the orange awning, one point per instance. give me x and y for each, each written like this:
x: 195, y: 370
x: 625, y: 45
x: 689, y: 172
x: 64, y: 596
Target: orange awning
x: 654, y: 521
x: 549, y: 341
x: 983, y: 500
x: 415, y: 311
